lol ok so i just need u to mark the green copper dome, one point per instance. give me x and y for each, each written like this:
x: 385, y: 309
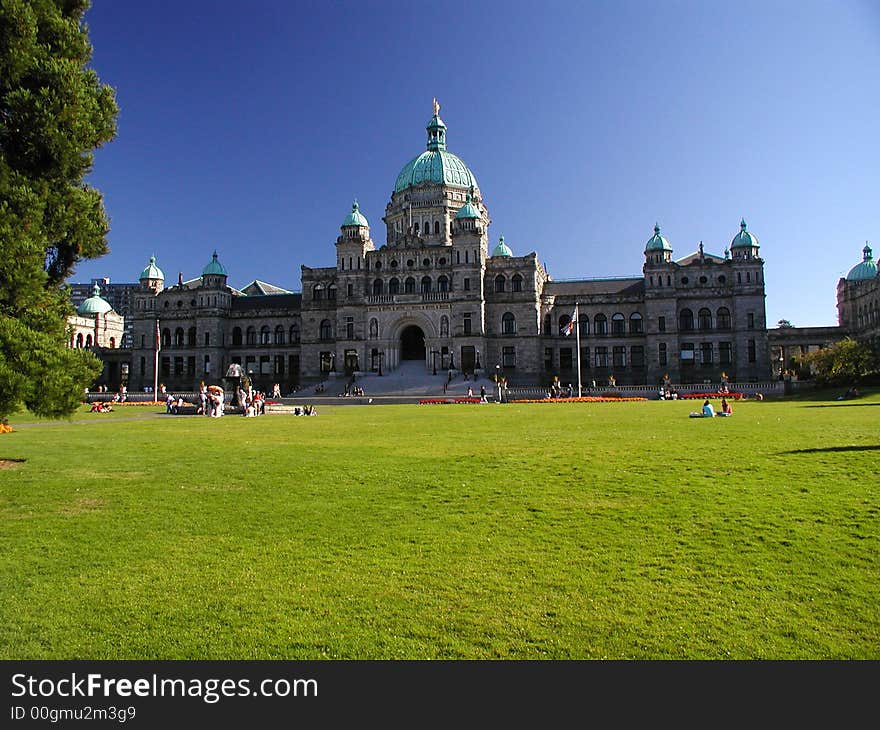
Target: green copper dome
x: 657, y: 242
x: 866, y: 269
x: 468, y: 210
x: 152, y: 271
x: 435, y: 166
x: 502, y: 249
x: 94, y: 304
x: 355, y: 218
x: 744, y: 239
x: 214, y: 267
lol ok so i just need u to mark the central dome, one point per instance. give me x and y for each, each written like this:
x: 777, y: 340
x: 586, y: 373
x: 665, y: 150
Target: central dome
x: 436, y: 166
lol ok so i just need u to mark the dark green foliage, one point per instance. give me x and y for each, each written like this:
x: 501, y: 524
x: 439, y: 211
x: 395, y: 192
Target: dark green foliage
x: 847, y: 361
x: 54, y: 113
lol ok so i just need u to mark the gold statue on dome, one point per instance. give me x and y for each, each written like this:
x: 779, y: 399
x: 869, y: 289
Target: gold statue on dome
x: 436, y: 107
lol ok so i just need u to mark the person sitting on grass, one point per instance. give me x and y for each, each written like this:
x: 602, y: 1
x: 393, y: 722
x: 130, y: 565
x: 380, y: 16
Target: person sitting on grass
x: 726, y: 410
x: 708, y: 410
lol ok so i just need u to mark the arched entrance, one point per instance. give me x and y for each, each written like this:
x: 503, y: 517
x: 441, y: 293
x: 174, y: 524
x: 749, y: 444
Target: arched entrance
x: 412, y: 343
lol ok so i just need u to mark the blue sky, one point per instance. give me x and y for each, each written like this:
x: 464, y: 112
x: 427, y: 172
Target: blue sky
x: 249, y: 127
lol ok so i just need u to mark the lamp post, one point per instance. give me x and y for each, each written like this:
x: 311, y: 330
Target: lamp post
x: 498, y: 380
x: 434, y: 354
x: 478, y: 366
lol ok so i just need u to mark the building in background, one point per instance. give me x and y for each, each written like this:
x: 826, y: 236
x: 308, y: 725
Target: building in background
x: 436, y: 294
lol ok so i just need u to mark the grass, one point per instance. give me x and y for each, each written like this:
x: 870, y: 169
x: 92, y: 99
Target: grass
x: 558, y: 531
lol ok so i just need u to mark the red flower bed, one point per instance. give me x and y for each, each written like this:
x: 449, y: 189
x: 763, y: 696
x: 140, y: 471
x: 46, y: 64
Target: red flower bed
x: 733, y: 395
x: 444, y: 401
x: 583, y: 399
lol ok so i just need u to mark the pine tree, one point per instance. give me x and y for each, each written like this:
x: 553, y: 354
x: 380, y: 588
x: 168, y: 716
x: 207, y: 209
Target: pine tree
x: 54, y: 113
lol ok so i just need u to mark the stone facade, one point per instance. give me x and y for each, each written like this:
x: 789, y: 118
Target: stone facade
x: 432, y: 292
x: 858, y: 300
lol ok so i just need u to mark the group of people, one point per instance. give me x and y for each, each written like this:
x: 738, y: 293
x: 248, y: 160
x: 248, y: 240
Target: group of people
x: 99, y: 407
x: 708, y: 410
x: 667, y: 392
x: 307, y: 410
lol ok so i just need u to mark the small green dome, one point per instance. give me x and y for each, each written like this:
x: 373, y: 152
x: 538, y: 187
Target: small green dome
x: 866, y: 269
x: 657, y: 242
x: 744, y: 239
x: 94, y: 304
x: 214, y: 267
x: 468, y: 210
x: 502, y: 249
x: 152, y: 271
x: 355, y: 218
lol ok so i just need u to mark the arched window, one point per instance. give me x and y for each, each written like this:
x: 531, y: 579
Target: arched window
x: 318, y: 292
x: 437, y: 228
x: 236, y: 335
x: 409, y: 286
x: 635, y: 323
x: 600, y: 324
x: 516, y: 283
x: 178, y: 337
x: 394, y: 286
x: 426, y: 284
x: 326, y: 331
x: 500, y: 281
x: 88, y: 340
x: 686, y: 320
x: 377, y: 287
x: 583, y: 324
x: 207, y: 339
x: 79, y: 340
x: 444, y: 326
x: 442, y: 284
x: 112, y: 342
x: 722, y: 319
x: 279, y: 335
x: 618, y: 323
x: 704, y: 318
x: 250, y: 335
x: 416, y: 228
x: 331, y: 292
x: 374, y: 329
x: 547, y: 325
x: 294, y: 334
x: 191, y: 337
x: 564, y: 319
x: 508, y: 324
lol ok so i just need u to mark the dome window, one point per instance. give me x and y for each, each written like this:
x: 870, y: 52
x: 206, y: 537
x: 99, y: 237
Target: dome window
x: 703, y: 280
x: 684, y: 280
x: 426, y: 262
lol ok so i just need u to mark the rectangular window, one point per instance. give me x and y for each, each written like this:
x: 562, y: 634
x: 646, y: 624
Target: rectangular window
x: 687, y: 355
x: 724, y: 351
x: 466, y: 320
x: 293, y: 367
x: 752, y: 351
x: 191, y: 365
x: 750, y: 317
x: 637, y: 356
x: 661, y: 324
x: 585, y: 358
x: 349, y: 290
x: 661, y: 354
x: 619, y: 356
x: 508, y: 357
x: 349, y: 327
x: 601, y: 357
x: 706, y: 354
x: 326, y: 361
x: 166, y: 367
x: 565, y: 358
x: 548, y: 359
x: 265, y: 365
x: 466, y: 284
x: 178, y: 367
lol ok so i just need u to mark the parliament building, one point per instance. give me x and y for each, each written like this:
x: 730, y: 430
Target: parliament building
x: 439, y: 291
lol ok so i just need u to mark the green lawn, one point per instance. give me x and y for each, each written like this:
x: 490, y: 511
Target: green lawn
x: 530, y: 531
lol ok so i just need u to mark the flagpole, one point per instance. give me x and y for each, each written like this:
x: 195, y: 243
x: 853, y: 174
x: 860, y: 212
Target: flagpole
x: 156, y: 366
x: 577, y: 329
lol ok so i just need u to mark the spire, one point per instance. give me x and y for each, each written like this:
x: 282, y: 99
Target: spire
x: 96, y: 290
x: 742, y: 225
x: 436, y: 130
x: 867, y: 254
